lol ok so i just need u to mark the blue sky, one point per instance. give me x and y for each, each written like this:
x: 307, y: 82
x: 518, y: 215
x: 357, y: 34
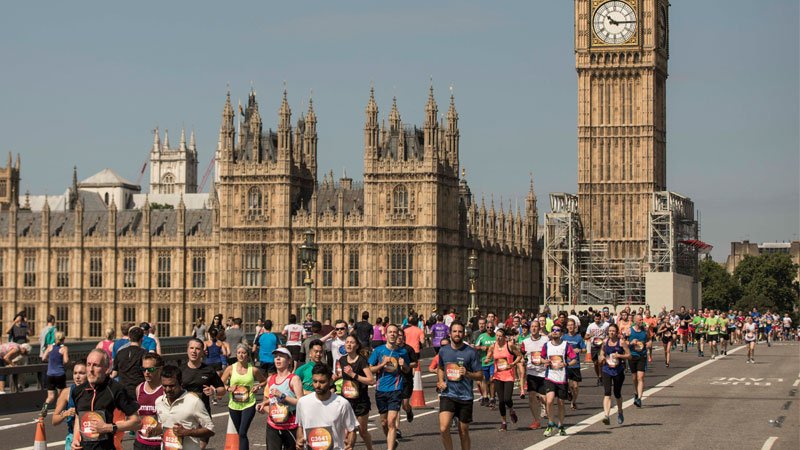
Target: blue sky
x: 85, y: 83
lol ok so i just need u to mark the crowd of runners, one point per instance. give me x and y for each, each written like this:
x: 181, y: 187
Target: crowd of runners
x: 316, y: 377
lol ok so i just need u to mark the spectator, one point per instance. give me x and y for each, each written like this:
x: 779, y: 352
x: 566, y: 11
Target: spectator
x: 19, y: 330
x: 47, y: 336
x: 199, y: 329
x: 10, y: 354
x: 216, y: 324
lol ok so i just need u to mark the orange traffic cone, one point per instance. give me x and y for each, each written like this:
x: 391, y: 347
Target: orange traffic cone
x: 39, y: 440
x: 588, y: 356
x: 231, y: 437
x: 417, y: 395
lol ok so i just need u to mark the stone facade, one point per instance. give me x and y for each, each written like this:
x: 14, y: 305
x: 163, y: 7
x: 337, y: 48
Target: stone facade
x: 398, y: 240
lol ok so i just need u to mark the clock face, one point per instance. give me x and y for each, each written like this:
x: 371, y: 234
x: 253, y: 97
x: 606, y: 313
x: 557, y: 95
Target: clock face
x: 662, y: 27
x: 614, y: 22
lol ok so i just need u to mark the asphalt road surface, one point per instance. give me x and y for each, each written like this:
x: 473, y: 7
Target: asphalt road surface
x: 696, y: 403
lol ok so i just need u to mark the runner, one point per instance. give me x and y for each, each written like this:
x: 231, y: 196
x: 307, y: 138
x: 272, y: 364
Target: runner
x: 574, y: 369
x: 639, y: 343
x: 525, y: 333
x: 484, y: 342
x: 699, y: 322
x: 457, y: 368
x: 787, y: 326
x: 615, y: 348
x: 723, y: 333
x: 505, y: 356
x: 596, y: 333
x: 146, y: 395
x: 284, y: 389
x: 315, y: 352
x: 56, y: 355
x: 667, y: 333
x: 182, y: 421
x: 683, y: 329
x: 65, y: 405
x: 389, y: 362
x: 240, y: 379
x: 535, y: 371
x: 750, y: 331
x: 356, y: 378
x: 325, y: 420
x: 557, y: 355
x: 768, y: 321
x: 199, y: 378
x: 439, y: 330
x: 471, y: 340
x: 294, y: 332
x: 624, y: 322
x: 408, y: 380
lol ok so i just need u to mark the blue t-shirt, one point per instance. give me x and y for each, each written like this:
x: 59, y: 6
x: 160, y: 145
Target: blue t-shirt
x: 267, y: 343
x: 119, y: 344
x: 578, y: 344
x: 149, y: 344
x: 389, y: 380
x: 450, y: 360
x: 640, y: 336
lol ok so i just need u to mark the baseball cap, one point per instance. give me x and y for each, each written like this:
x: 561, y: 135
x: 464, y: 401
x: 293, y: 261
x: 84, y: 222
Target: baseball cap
x: 144, y: 325
x: 283, y: 351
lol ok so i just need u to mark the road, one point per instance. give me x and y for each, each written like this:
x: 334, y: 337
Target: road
x: 697, y: 402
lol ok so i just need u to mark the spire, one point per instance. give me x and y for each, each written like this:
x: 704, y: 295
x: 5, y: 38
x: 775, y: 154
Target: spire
x: 226, y: 131
x: 183, y: 139
x: 192, y: 144
x: 431, y: 110
x: 372, y: 106
x: 285, y: 112
x: 311, y: 116
x: 452, y: 114
x: 394, y: 116
x: 156, y: 141
x: 166, y: 139
x: 46, y: 206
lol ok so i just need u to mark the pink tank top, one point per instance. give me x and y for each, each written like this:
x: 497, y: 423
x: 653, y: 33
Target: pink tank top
x: 147, y: 412
x: 377, y: 333
x: 503, y: 367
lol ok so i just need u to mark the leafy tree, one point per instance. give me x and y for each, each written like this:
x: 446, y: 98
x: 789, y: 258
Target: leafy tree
x: 767, y: 281
x: 720, y: 290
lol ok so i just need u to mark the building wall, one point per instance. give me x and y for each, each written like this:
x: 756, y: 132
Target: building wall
x: 739, y: 250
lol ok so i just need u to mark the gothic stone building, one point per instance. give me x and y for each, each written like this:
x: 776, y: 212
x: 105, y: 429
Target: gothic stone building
x: 398, y: 240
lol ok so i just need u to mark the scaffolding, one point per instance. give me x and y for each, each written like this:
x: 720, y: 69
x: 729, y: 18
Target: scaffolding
x: 674, y: 235
x: 562, y: 238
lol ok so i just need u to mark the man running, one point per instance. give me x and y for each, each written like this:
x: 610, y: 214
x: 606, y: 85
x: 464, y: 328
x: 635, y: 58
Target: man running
x: 596, y: 333
x: 535, y: 371
x: 699, y: 322
x: 183, y: 420
x: 325, y: 420
x: 683, y: 329
x: 457, y: 368
x: 146, y: 395
x: 389, y: 362
x: 482, y: 344
x: 574, y: 370
x: 640, y: 342
x: 557, y: 355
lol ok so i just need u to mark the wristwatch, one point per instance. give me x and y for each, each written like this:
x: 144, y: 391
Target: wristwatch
x: 113, y: 428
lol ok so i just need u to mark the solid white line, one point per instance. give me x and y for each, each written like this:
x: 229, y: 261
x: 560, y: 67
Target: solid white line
x: 577, y: 428
x: 49, y: 444
x: 768, y: 444
x: 17, y: 425
x: 4, y: 418
x: 796, y: 383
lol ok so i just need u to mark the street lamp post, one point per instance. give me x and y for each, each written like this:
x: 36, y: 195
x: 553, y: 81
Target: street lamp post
x: 308, y: 259
x: 472, y: 274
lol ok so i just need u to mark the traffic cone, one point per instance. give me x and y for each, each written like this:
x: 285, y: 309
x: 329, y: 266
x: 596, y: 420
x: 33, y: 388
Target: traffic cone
x: 417, y: 395
x: 231, y: 437
x: 588, y: 356
x: 39, y: 440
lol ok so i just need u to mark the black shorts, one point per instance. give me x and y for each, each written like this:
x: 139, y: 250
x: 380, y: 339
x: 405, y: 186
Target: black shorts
x: 295, y: 351
x: 536, y: 384
x: 559, y: 389
x: 595, y: 351
x: 699, y: 336
x: 216, y: 366
x: 388, y: 401
x: 361, y: 407
x: 139, y: 446
x: 574, y: 374
x: 268, y: 368
x: 56, y: 382
x: 408, y: 387
x: 712, y: 338
x: 460, y: 408
x: 638, y: 364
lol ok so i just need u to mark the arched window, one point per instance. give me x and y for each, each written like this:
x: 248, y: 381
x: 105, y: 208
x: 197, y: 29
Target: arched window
x: 400, y: 200
x: 106, y: 198
x: 168, y: 183
x: 254, y: 202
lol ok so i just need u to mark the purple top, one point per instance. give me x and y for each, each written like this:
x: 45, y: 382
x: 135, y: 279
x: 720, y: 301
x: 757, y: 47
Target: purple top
x: 439, y: 332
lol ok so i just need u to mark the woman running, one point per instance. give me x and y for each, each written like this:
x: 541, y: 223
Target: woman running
x: 378, y: 334
x: 243, y: 381
x: 65, y: 407
x: 214, y: 351
x: 284, y: 389
x: 615, y: 349
x: 750, y: 332
x: 56, y: 356
x: 107, y: 344
x: 356, y: 376
x: 506, y: 356
x: 667, y: 333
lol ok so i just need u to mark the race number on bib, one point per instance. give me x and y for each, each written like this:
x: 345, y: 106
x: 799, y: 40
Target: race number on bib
x: 502, y: 364
x: 320, y: 438
x: 88, y: 432
x: 278, y: 413
x: 170, y: 441
x: 453, y: 372
x: 349, y: 390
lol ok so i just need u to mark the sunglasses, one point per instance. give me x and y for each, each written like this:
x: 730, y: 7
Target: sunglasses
x: 340, y: 329
x: 150, y: 369
x: 556, y: 329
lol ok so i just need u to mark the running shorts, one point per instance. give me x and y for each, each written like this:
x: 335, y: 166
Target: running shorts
x: 388, y: 401
x: 712, y: 338
x: 638, y: 364
x: 574, y: 374
x: 488, y: 372
x: 56, y: 382
x: 536, y: 384
x: 595, y: 353
x: 559, y: 389
x: 460, y: 408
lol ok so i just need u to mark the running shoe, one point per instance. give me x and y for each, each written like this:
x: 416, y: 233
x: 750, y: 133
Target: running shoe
x: 410, y: 415
x: 398, y: 434
x: 522, y: 395
x: 503, y: 426
x: 606, y: 420
x: 549, y: 430
x: 513, y: 415
x: 535, y: 425
x: 599, y: 381
x: 493, y: 404
x: 637, y: 402
x: 484, y: 401
x: 620, y: 418
x: 562, y: 431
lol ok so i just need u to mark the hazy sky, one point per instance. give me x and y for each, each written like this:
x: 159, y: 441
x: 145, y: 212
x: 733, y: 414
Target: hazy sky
x: 85, y: 83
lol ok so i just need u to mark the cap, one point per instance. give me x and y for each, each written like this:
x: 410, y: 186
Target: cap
x: 283, y: 351
x: 144, y: 326
x: 26, y: 347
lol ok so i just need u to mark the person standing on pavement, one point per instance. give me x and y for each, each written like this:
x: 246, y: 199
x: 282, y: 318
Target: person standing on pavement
x: 95, y: 402
x: 146, y: 395
x: 458, y: 367
x: 8, y: 353
x: 389, y: 362
x: 183, y: 422
x: 356, y: 378
x: 243, y: 380
x: 325, y: 420
x: 615, y: 349
x: 284, y: 389
x: 19, y: 331
x: 574, y: 339
x: 505, y: 356
x: 640, y: 342
x: 57, y: 356
x: 557, y: 354
x: 264, y: 345
x: 199, y: 378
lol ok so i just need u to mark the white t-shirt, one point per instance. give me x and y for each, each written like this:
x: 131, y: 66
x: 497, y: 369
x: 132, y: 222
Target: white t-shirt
x: 595, y: 331
x: 533, y: 350
x: 337, y: 346
x: 294, y: 334
x: 327, y: 421
x: 749, y: 330
x: 787, y: 322
x: 448, y: 319
x: 187, y: 410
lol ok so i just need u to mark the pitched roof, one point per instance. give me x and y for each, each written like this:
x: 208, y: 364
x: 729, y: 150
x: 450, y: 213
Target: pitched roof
x: 107, y: 178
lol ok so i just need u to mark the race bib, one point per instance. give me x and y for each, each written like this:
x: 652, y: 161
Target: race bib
x: 453, y: 372
x: 278, y: 413
x: 148, y: 423
x: 391, y: 366
x: 170, y: 441
x: 612, y: 360
x: 556, y: 362
x: 597, y: 342
x: 637, y: 345
x: 349, y: 390
x: 712, y: 328
x: 294, y: 336
x: 536, y: 358
x: 240, y: 394
x: 88, y: 432
x: 502, y: 364
x: 667, y: 334
x: 319, y: 438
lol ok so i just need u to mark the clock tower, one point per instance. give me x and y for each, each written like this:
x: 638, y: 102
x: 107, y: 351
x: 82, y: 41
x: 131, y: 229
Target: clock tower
x: 621, y: 54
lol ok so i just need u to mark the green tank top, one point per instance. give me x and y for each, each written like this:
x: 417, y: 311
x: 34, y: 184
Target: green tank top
x: 242, y: 397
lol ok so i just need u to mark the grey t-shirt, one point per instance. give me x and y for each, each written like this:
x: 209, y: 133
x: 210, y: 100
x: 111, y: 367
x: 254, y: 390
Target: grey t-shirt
x: 234, y: 336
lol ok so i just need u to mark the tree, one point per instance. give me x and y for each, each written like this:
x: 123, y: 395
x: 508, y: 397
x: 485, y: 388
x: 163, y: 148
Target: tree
x: 767, y: 282
x: 720, y: 290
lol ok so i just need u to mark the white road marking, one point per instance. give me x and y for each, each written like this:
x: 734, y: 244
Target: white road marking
x: 796, y: 383
x: 49, y: 444
x: 577, y: 428
x: 768, y: 444
x: 17, y: 425
x: 4, y: 418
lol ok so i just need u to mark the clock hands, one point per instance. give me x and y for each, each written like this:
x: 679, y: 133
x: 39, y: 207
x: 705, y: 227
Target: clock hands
x: 618, y: 22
